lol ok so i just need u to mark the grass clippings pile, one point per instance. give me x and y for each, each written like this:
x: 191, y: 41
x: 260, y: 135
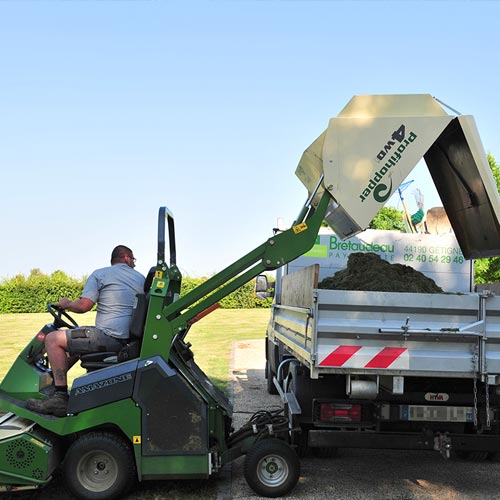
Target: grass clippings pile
x: 368, y: 272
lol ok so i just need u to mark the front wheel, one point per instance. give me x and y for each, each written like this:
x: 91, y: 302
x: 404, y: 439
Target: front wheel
x: 99, y: 466
x: 272, y: 468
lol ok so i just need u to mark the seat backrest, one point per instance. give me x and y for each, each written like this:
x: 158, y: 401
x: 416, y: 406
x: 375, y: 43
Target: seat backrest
x: 139, y: 316
x: 149, y: 279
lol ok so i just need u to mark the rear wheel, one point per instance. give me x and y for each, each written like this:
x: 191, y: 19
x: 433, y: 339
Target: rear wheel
x: 99, y: 466
x: 271, y: 388
x: 272, y: 468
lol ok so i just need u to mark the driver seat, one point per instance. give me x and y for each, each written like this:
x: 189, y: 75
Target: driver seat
x: 97, y: 360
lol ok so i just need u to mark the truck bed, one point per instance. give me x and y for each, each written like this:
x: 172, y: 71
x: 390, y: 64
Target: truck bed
x: 386, y: 333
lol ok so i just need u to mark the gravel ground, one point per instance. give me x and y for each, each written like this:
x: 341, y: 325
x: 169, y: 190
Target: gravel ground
x: 355, y: 474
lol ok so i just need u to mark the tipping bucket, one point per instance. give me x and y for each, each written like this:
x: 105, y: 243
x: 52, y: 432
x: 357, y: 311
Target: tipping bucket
x: 374, y: 143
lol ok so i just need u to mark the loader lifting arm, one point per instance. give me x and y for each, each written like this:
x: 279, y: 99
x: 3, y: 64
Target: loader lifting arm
x: 175, y: 314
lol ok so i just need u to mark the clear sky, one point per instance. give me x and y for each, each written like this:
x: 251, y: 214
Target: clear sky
x: 111, y: 109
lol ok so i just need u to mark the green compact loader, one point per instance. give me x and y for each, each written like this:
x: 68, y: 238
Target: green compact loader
x: 148, y: 412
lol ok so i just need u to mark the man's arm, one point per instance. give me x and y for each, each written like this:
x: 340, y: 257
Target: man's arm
x: 78, y: 306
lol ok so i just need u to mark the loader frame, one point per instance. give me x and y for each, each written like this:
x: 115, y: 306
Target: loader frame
x: 138, y: 398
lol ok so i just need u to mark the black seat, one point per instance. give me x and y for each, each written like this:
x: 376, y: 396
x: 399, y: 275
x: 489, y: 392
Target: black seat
x: 97, y: 360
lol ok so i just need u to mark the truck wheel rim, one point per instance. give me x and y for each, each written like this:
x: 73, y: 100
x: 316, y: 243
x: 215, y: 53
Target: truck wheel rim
x: 272, y: 470
x: 97, y: 471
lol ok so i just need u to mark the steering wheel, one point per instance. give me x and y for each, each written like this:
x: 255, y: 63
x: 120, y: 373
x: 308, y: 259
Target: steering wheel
x: 58, y: 313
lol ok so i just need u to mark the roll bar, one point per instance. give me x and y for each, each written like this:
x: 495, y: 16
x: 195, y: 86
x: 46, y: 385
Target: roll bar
x: 164, y: 214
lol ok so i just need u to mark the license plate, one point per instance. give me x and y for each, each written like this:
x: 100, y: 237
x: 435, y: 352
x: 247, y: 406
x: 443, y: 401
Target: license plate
x: 436, y: 413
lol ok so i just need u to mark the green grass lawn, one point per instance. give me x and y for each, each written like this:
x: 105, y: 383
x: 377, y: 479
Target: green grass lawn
x: 211, y: 337
x: 211, y: 340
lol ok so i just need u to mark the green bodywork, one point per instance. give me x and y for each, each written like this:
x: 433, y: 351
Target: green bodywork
x: 168, y: 320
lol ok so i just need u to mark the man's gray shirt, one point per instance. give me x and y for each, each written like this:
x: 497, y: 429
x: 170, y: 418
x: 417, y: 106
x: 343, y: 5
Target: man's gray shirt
x: 114, y: 289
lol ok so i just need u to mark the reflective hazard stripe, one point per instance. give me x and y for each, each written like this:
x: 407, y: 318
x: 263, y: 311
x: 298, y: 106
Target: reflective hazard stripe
x: 347, y: 356
x: 340, y: 355
x: 385, y: 357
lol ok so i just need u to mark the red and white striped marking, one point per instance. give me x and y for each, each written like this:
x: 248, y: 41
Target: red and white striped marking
x: 351, y: 356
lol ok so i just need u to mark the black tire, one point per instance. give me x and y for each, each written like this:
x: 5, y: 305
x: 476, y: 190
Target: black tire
x: 301, y: 386
x: 272, y: 468
x: 99, y: 466
x: 271, y: 388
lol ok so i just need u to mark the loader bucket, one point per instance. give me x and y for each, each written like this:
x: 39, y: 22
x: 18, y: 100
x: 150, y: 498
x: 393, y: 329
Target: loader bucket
x: 463, y: 178
x: 374, y: 143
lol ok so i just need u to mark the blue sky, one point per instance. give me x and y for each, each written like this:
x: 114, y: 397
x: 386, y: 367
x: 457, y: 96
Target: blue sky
x: 111, y: 109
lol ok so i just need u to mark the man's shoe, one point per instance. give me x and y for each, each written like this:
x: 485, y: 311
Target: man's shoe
x: 56, y: 405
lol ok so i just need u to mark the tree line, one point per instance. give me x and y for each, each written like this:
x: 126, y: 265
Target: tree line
x: 32, y: 293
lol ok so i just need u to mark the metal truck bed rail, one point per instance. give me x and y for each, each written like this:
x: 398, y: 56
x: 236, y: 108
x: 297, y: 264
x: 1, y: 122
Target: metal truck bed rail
x: 384, y: 333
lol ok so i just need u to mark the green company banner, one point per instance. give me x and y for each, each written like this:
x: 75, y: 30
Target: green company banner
x: 318, y: 252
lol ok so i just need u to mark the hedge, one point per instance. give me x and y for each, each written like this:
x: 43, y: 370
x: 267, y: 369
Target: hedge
x: 32, y: 294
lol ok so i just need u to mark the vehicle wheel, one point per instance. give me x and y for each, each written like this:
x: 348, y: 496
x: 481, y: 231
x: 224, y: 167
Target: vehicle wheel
x: 302, y: 386
x: 272, y: 468
x: 271, y: 388
x: 99, y: 466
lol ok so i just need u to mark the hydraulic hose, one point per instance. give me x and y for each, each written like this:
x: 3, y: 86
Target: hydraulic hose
x: 262, y: 424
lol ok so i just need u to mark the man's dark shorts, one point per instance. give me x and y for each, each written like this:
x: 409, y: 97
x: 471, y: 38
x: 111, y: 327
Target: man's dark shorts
x: 87, y: 339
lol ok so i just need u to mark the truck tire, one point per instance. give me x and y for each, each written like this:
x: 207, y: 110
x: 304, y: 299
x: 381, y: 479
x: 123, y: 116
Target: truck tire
x: 300, y: 385
x: 272, y: 468
x: 271, y: 388
x: 99, y: 466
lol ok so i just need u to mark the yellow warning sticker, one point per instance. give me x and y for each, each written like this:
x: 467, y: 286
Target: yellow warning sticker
x: 158, y: 274
x: 160, y: 284
x: 36, y: 442
x: 299, y: 228
x: 136, y: 439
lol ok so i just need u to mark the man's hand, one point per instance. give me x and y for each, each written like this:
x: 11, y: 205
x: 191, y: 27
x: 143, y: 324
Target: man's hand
x: 78, y: 306
x: 64, y: 303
